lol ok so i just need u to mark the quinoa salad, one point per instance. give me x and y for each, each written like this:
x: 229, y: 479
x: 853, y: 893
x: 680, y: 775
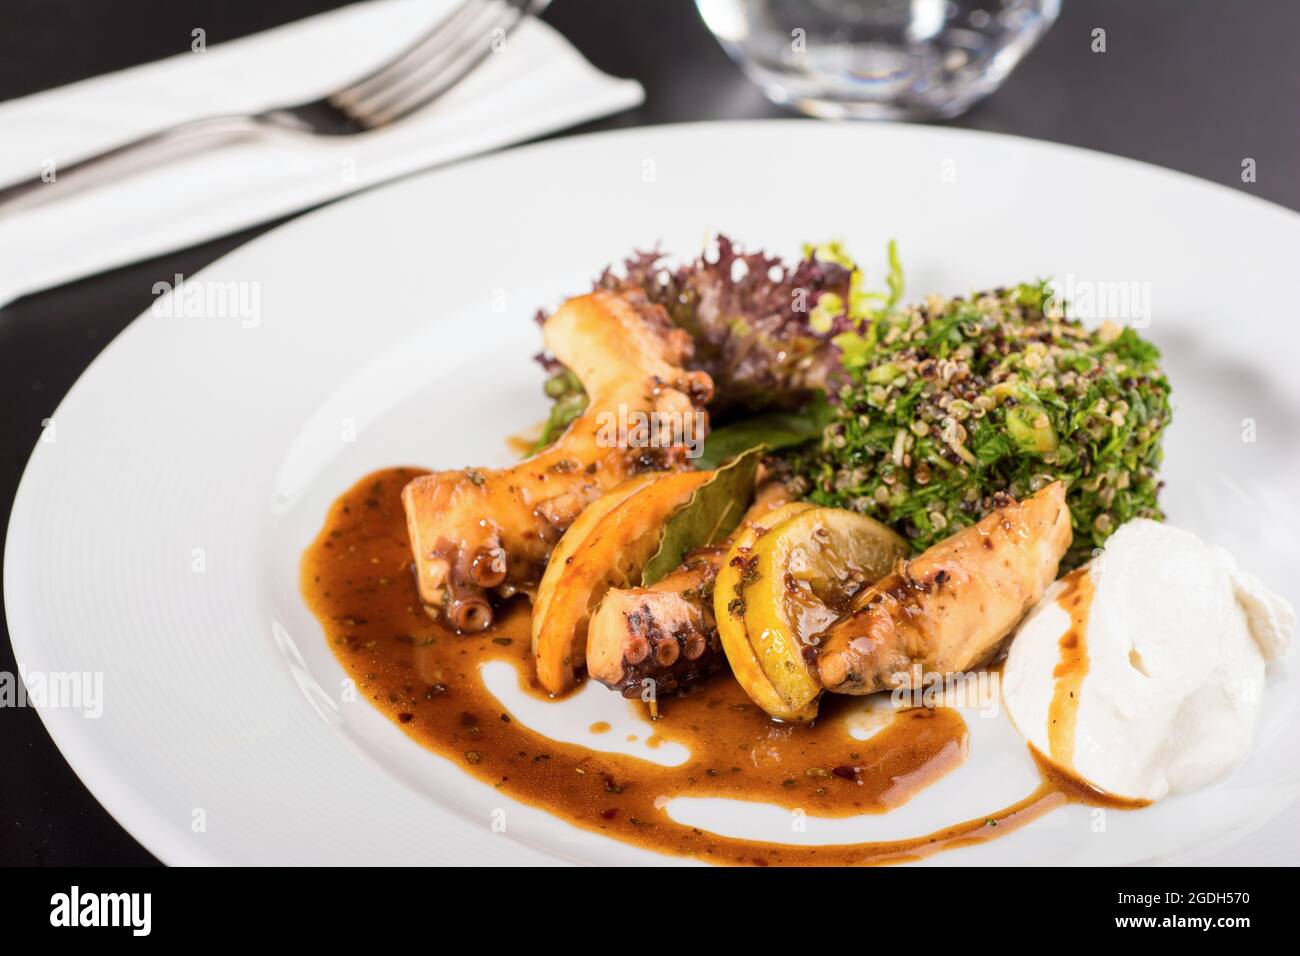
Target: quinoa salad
x: 956, y: 401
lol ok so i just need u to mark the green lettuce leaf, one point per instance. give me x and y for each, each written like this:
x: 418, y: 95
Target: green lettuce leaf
x: 771, y: 431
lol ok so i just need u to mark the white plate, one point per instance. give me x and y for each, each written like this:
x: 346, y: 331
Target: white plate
x: 406, y: 315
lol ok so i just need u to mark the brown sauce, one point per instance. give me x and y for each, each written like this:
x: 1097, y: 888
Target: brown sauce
x: 1063, y: 711
x: 1079, y: 790
x: 357, y: 579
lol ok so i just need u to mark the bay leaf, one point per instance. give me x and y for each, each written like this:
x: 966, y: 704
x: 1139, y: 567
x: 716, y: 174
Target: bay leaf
x: 711, y: 514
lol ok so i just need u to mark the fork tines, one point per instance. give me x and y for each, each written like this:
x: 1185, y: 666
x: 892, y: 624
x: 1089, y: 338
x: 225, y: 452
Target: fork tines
x: 432, y: 65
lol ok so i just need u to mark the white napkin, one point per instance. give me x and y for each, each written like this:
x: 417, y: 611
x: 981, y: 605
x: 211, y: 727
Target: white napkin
x: 537, y: 83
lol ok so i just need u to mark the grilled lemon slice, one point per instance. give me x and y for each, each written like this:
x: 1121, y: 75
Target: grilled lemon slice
x: 798, y: 578
x: 729, y: 589
x: 578, y: 535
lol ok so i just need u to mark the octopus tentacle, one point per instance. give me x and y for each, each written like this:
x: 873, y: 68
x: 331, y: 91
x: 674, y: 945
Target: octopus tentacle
x: 662, y: 657
x: 469, y: 614
x: 950, y: 608
x: 488, y: 568
x: 481, y: 533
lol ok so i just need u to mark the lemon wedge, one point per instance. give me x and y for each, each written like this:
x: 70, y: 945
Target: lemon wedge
x: 780, y: 587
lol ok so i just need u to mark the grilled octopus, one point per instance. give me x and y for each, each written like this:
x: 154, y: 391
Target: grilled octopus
x: 666, y: 633
x: 476, y: 533
x: 949, y: 609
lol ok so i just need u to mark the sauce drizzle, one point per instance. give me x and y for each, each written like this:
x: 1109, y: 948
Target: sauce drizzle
x: 357, y: 579
x: 1063, y: 711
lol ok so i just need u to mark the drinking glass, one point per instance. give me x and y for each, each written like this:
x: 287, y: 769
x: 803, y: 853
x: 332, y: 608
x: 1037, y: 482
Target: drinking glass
x: 878, y: 59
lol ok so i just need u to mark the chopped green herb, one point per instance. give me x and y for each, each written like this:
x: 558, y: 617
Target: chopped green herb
x: 958, y: 399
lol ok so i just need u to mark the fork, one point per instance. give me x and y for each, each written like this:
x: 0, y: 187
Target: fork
x: 420, y: 74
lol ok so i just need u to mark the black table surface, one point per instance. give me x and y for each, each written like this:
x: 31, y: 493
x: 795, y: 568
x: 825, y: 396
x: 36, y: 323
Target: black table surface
x: 1194, y: 85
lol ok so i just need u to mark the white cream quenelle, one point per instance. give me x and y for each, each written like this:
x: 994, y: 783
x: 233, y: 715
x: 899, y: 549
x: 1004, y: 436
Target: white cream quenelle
x: 1143, y: 672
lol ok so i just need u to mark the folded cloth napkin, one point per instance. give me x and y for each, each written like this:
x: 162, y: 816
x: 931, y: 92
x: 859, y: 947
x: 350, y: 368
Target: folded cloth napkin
x: 535, y: 84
